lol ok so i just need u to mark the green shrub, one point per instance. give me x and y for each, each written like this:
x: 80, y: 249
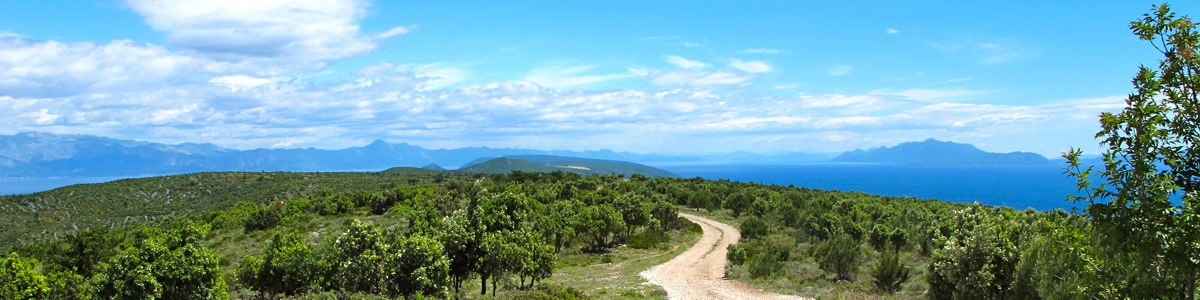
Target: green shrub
x: 769, y: 259
x: 754, y: 228
x: 890, y: 273
x: 21, y: 279
x: 648, y: 239
x: 549, y: 292
x: 840, y: 255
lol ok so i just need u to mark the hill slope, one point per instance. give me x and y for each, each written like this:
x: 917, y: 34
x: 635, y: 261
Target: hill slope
x: 550, y: 163
x: 934, y: 152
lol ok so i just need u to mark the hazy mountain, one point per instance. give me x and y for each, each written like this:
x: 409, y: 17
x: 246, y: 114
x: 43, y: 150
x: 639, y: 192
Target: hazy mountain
x: 38, y: 154
x: 551, y: 163
x: 934, y: 152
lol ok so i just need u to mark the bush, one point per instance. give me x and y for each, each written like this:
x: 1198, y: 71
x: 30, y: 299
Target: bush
x: 21, y: 279
x: 840, y: 255
x: 754, y: 228
x: 648, y: 239
x: 550, y: 292
x: 890, y: 273
x: 736, y: 254
x: 767, y: 261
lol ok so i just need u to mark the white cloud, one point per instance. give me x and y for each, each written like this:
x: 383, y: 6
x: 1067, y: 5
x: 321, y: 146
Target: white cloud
x: 305, y: 30
x: 750, y: 66
x: 839, y: 70
x: 398, y: 30
x: 931, y: 95
x: 41, y: 116
x: 42, y: 68
x: 699, y: 79
x: 239, y: 83
x: 892, y: 31
x: 575, y: 76
x: 685, y: 63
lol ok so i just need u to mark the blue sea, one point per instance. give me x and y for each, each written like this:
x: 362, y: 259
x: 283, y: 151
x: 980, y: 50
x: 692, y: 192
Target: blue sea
x: 26, y: 185
x: 1037, y: 187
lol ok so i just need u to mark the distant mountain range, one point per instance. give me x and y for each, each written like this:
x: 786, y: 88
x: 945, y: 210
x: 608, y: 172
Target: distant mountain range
x: 38, y: 154
x: 935, y: 152
x: 544, y: 164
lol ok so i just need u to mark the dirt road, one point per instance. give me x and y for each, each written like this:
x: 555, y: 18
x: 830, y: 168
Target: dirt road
x: 699, y: 273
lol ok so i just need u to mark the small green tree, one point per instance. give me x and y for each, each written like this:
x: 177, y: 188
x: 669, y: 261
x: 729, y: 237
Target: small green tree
x: 419, y: 267
x: 288, y: 266
x: 754, y: 227
x: 890, y: 273
x: 359, y: 255
x: 840, y: 255
x: 976, y: 258
x: 166, y: 265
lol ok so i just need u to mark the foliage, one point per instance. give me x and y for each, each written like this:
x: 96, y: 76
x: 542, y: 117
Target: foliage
x: 891, y: 272
x: 419, y: 267
x: 21, y: 279
x: 841, y: 255
x: 162, y: 265
x: 977, y: 260
x: 754, y: 227
x: 288, y: 266
x: 1152, y: 154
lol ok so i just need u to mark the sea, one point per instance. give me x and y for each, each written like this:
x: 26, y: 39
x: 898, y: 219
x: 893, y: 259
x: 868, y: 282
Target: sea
x: 1042, y: 187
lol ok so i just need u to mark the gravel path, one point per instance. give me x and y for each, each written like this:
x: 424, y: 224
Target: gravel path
x: 699, y: 273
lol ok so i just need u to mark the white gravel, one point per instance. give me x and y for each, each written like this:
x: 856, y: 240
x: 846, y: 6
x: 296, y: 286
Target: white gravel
x: 699, y: 273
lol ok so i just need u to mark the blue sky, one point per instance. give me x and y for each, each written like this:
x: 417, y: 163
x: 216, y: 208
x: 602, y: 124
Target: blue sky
x: 640, y: 76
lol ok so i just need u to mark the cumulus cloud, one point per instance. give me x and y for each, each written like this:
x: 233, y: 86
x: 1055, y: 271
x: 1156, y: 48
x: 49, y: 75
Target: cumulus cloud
x: 238, y: 83
x: 685, y: 63
x: 750, y: 66
x: 892, y: 31
x: 307, y: 30
x: 51, y: 68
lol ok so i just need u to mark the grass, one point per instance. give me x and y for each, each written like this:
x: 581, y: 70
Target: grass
x: 612, y: 275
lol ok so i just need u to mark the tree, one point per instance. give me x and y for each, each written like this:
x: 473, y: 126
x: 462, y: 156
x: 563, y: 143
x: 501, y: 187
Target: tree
x: 419, y: 267
x: 754, y: 228
x: 890, y: 273
x: 840, y: 255
x: 21, y: 279
x: 976, y: 259
x: 288, y: 266
x: 1152, y: 154
x: 169, y: 265
x: 359, y: 258
x: 461, y: 241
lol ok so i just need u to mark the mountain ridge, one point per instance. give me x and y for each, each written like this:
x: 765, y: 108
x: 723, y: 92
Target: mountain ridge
x: 935, y: 152
x: 42, y: 154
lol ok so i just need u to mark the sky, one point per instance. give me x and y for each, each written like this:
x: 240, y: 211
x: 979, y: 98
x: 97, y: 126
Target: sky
x: 672, y: 77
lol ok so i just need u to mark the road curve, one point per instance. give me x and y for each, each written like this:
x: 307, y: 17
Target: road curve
x: 699, y: 273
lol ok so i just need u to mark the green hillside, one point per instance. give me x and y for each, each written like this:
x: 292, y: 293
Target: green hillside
x: 527, y: 234
x: 549, y: 163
